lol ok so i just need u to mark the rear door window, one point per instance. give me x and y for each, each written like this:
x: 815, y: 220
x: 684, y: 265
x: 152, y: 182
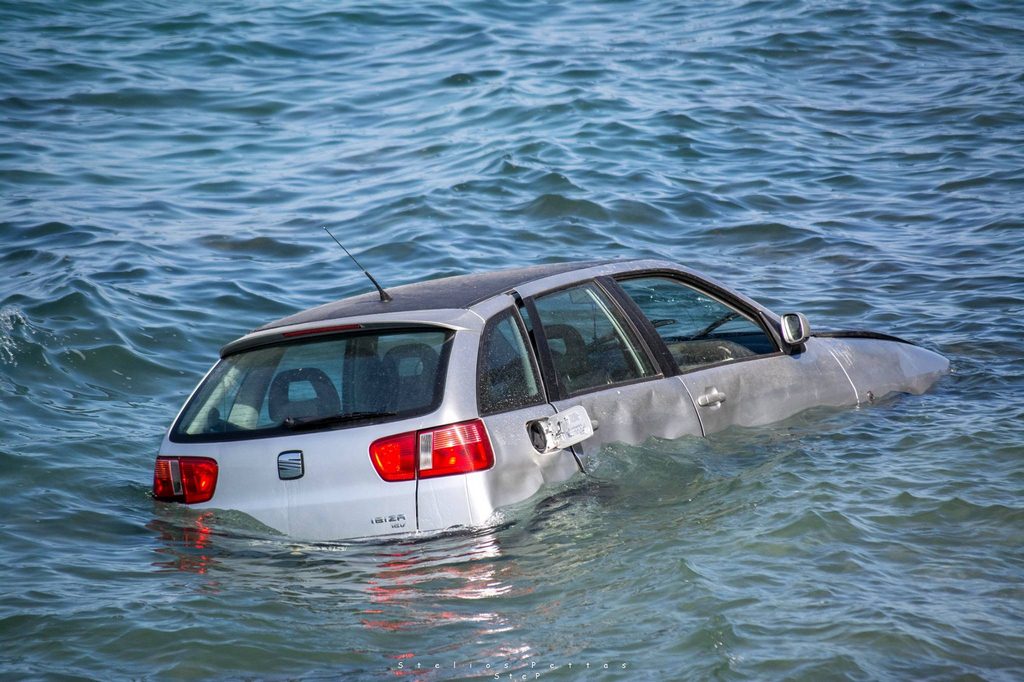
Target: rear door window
x: 698, y: 329
x: 323, y: 381
x: 506, y: 374
x: 589, y: 342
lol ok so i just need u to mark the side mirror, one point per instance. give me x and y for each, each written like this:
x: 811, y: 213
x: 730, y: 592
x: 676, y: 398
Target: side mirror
x: 795, y: 329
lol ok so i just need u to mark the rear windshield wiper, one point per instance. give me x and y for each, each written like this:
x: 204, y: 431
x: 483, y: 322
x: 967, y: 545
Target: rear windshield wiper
x: 300, y: 424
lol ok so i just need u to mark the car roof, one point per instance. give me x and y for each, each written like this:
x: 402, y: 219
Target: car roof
x: 459, y: 291
x: 464, y: 301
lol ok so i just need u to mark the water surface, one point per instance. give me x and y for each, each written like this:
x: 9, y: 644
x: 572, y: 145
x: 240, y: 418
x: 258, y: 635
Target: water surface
x: 164, y: 173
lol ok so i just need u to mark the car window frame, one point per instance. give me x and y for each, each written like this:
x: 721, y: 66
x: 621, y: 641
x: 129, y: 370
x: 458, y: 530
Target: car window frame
x: 517, y: 321
x: 709, y: 289
x: 538, y: 339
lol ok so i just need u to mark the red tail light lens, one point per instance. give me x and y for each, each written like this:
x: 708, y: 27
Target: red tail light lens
x: 394, y: 457
x: 184, y: 479
x: 163, y: 484
x: 457, y: 449
x: 444, y: 451
x: 199, y: 478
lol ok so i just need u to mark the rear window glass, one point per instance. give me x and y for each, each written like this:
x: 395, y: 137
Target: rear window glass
x: 325, y: 382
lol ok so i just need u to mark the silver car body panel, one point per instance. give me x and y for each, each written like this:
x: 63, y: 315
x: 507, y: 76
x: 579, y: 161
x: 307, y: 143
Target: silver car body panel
x: 340, y: 495
x: 767, y: 388
x: 878, y: 367
x: 519, y: 472
x: 633, y: 413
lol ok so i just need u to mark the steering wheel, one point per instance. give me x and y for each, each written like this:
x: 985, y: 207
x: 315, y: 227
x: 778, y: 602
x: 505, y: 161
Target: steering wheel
x: 728, y: 317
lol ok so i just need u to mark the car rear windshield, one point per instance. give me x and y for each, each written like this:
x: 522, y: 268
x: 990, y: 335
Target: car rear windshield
x: 318, y: 383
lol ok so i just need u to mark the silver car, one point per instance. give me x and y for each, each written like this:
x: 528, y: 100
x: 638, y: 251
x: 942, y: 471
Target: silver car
x: 369, y: 417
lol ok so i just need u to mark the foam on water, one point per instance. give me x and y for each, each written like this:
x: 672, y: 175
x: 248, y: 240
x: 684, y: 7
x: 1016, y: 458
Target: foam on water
x: 10, y: 319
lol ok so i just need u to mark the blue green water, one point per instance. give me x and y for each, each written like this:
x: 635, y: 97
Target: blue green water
x: 164, y: 172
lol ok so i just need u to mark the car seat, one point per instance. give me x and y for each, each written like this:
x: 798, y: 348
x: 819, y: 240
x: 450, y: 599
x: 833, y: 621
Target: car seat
x: 568, y: 353
x: 410, y: 372
x: 289, y: 391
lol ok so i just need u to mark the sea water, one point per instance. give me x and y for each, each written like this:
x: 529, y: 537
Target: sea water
x: 165, y: 169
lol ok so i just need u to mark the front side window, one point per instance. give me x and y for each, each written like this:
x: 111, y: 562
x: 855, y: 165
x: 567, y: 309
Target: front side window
x: 589, y: 341
x: 507, y: 377
x: 699, y: 330
x: 318, y: 383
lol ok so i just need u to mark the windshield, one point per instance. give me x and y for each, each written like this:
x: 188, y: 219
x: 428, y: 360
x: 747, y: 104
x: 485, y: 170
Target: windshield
x: 318, y: 383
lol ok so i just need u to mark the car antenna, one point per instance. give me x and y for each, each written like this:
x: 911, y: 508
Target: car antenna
x: 384, y: 296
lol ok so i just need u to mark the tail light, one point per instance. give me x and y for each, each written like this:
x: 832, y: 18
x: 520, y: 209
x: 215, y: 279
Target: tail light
x: 184, y: 479
x: 394, y: 457
x: 444, y: 451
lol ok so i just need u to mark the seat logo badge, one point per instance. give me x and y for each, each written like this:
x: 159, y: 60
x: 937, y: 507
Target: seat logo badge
x: 289, y: 465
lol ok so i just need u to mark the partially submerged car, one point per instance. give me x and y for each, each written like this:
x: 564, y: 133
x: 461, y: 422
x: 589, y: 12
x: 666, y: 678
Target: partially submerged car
x: 436, y: 406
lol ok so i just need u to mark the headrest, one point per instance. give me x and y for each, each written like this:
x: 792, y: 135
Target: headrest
x: 323, y: 403
x: 412, y: 359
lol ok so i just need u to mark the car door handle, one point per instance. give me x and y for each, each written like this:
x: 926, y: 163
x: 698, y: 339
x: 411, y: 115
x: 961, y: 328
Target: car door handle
x: 712, y: 398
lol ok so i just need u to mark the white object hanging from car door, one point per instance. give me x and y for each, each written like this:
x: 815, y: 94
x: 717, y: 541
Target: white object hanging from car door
x: 561, y: 430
